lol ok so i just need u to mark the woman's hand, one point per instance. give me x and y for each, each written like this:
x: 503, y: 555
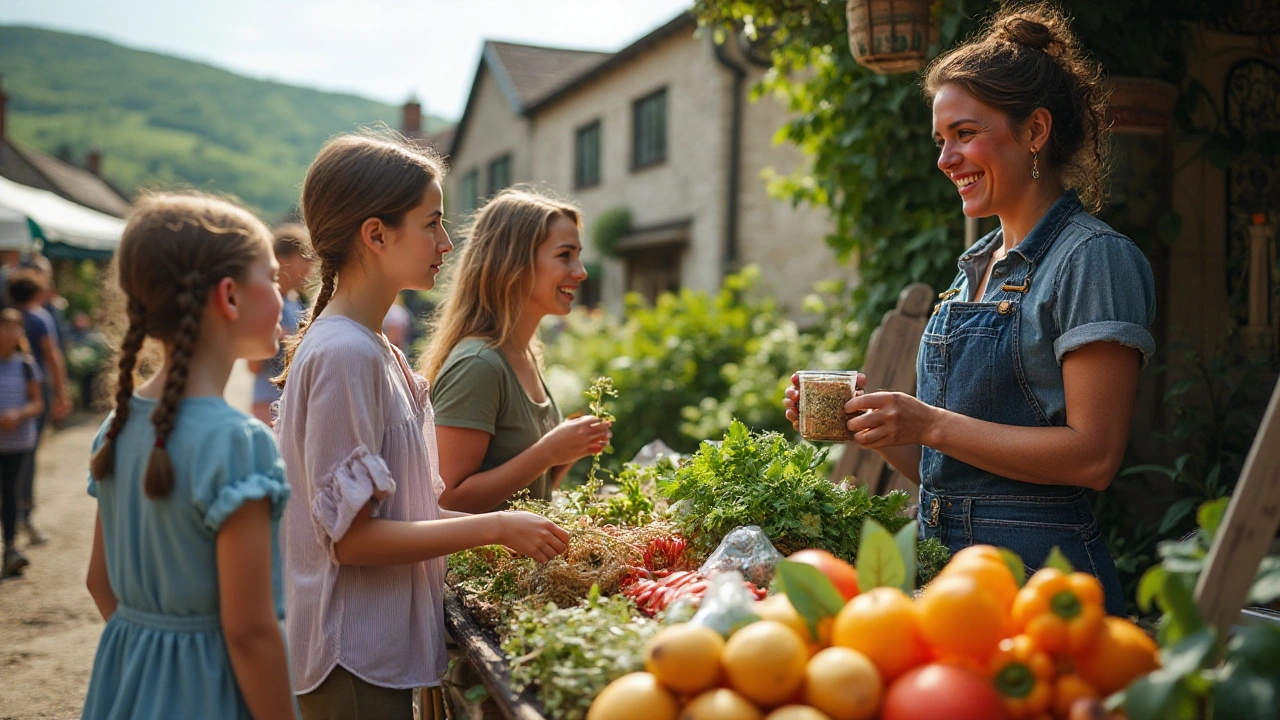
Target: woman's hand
x: 574, y: 439
x: 791, y: 400
x: 890, y: 419
x: 531, y: 535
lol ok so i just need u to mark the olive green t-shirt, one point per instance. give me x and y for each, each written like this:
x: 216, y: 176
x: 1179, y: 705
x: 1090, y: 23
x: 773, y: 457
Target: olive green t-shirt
x: 477, y: 388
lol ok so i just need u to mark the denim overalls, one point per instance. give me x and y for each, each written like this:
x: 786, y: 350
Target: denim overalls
x: 1072, y: 281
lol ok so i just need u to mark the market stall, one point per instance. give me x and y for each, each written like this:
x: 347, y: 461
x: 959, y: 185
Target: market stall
x: 65, y: 229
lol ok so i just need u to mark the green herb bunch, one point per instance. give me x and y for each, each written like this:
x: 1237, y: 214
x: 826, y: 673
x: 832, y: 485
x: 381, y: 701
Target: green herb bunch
x: 571, y: 654
x: 761, y: 479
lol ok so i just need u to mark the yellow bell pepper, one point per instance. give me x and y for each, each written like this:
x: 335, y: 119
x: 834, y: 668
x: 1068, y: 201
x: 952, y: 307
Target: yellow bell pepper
x: 1062, y: 613
x: 1023, y: 674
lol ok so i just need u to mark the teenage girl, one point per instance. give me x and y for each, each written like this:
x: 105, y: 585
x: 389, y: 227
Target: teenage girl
x: 500, y: 430
x: 186, y: 568
x: 365, y: 543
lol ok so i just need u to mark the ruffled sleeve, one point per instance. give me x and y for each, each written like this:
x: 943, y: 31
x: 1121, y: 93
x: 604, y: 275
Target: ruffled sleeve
x: 332, y: 423
x: 361, y: 478
x: 252, y: 470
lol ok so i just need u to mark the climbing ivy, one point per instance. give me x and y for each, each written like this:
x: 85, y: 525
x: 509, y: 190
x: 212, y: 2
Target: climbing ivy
x: 869, y: 135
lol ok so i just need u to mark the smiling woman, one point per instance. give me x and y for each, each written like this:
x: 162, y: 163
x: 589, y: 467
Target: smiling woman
x: 499, y: 429
x: 1028, y: 367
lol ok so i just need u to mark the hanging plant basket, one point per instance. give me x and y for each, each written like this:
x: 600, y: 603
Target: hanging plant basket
x: 890, y: 36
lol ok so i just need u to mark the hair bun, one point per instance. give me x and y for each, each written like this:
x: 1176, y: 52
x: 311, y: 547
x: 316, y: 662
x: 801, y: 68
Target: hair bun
x: 1029, y: 33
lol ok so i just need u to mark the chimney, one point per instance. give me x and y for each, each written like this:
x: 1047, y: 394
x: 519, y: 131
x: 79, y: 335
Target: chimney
x: 93, y: 160
x: 4, y: 112
x: 411, y: 118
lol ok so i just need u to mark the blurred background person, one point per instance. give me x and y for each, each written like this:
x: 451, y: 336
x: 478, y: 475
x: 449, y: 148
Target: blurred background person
x: 291, y: 246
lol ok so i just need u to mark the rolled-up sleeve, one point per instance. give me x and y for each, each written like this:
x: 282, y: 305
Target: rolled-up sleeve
x: 341, y: 437
x: 1105, y: 293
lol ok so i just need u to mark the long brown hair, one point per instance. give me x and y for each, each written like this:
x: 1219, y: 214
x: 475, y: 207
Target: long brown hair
x: 356, y: 177
x: 175, y: 249
x: 1028, y: 58
x: 493, y: 276
x: 13, y: 316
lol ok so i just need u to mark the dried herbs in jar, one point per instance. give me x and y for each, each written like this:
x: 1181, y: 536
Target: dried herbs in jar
x: 822, y: 398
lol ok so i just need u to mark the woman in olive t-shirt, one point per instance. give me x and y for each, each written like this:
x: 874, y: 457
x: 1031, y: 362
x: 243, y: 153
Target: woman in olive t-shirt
x: 498, y: 429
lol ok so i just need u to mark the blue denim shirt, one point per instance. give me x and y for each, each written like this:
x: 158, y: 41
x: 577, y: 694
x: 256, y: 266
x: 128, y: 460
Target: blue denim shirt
x: 1072, y: 281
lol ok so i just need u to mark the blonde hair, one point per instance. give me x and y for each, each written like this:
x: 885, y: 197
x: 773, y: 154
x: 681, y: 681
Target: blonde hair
x: 493, y: 275
x: 376, y: 173
x: 13, y: 316
x: 175, y: 249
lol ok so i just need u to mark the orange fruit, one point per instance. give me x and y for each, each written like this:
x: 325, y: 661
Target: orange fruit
x: 960, y: 617
x: 719, y: 704
x: 976, y: 552
x: 765, y: 661
x: 637, y: 696
x: 685, y: 657
x: 1121, y: 653
x: 1067, y: 689
x: 840, y: 573
x: 882, y: 624
x: 843, y: 684
x: 992, y: 574
x: 779, y: 608
x: 796, y: 712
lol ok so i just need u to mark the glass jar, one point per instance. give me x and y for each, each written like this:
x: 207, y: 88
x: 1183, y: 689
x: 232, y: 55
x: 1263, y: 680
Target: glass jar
x: 823, y: 394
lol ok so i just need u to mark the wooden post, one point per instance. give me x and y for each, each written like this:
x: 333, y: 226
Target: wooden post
x: 1252, y: 518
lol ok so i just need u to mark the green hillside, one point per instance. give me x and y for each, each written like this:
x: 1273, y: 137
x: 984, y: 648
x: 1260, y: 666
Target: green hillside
x: 163, y: 121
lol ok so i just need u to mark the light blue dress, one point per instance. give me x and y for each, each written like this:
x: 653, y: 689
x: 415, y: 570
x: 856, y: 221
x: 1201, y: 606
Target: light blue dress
x: 162, y: 654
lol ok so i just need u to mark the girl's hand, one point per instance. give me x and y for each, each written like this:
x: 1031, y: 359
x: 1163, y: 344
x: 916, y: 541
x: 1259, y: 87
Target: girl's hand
x: 531, y: 535
x: 791, y: 400
x: 574, y: 439
x: 9, y: 420
x: 890, y: 419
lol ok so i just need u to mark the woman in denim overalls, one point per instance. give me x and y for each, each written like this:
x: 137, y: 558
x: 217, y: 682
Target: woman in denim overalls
x: 1028, y: 367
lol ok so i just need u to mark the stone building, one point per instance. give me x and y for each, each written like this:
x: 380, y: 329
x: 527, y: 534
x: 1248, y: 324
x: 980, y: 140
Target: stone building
x: 664, y: 129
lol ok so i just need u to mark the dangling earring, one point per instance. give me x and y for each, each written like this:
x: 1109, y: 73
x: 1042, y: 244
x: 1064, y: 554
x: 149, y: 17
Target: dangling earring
x: 1035, y: 164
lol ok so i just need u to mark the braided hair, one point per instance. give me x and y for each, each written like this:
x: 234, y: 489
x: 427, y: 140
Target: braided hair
x: 175, y: 250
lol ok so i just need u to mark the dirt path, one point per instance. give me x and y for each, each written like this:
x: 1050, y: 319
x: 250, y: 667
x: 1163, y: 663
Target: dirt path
x: 49, y: 626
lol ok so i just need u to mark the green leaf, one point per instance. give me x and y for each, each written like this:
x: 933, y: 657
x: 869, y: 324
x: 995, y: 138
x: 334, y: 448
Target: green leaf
x: 879, y: 562
x: 1150, y: 586
x: 1210, y: 515
x: 1057, y: 560
x: 1177, y: 512
x: 1159, y: 696
x: 1243, y: 693
x: 1016, y: 567
x: 1190, y: 654
x: 1257, y: 646
x: 1266, y: 586
x: 905, y: 539
x: 1182, y: 618
x: 476, y: 694
x: 810, y: 592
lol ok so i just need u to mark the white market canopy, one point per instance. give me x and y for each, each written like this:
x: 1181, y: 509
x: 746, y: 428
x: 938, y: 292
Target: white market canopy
x: 68, y: 229
x: 15, y: 231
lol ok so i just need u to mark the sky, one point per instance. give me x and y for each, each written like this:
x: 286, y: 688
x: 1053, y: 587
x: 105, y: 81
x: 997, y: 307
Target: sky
x: 380, y: 49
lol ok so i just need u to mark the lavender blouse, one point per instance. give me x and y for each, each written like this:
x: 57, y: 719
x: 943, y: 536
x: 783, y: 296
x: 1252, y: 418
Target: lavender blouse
x: 356, y: 426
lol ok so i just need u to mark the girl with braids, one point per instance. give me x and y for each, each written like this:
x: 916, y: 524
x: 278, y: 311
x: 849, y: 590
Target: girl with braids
x: 21, y: 402
x: 185, y: 565
x: 1028, y: 368
x: 365, y: 546
x: 500, y: 430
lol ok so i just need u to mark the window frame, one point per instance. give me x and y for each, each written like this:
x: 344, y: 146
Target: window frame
x: 503, y: 160
x: 580, y: 177
x: 639, y: 129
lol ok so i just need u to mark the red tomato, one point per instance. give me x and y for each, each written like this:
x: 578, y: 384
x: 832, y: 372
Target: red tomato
x: 840, y: 573
x: 938, y: 691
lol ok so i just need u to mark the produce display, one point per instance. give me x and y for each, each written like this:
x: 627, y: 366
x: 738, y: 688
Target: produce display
x: 637, y: 551
x: 976, y: 644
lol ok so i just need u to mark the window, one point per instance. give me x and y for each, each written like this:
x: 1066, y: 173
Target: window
x: 650, y: 125
x: 586, y: 172
x: 499, y: 174
x: 469, y: 191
